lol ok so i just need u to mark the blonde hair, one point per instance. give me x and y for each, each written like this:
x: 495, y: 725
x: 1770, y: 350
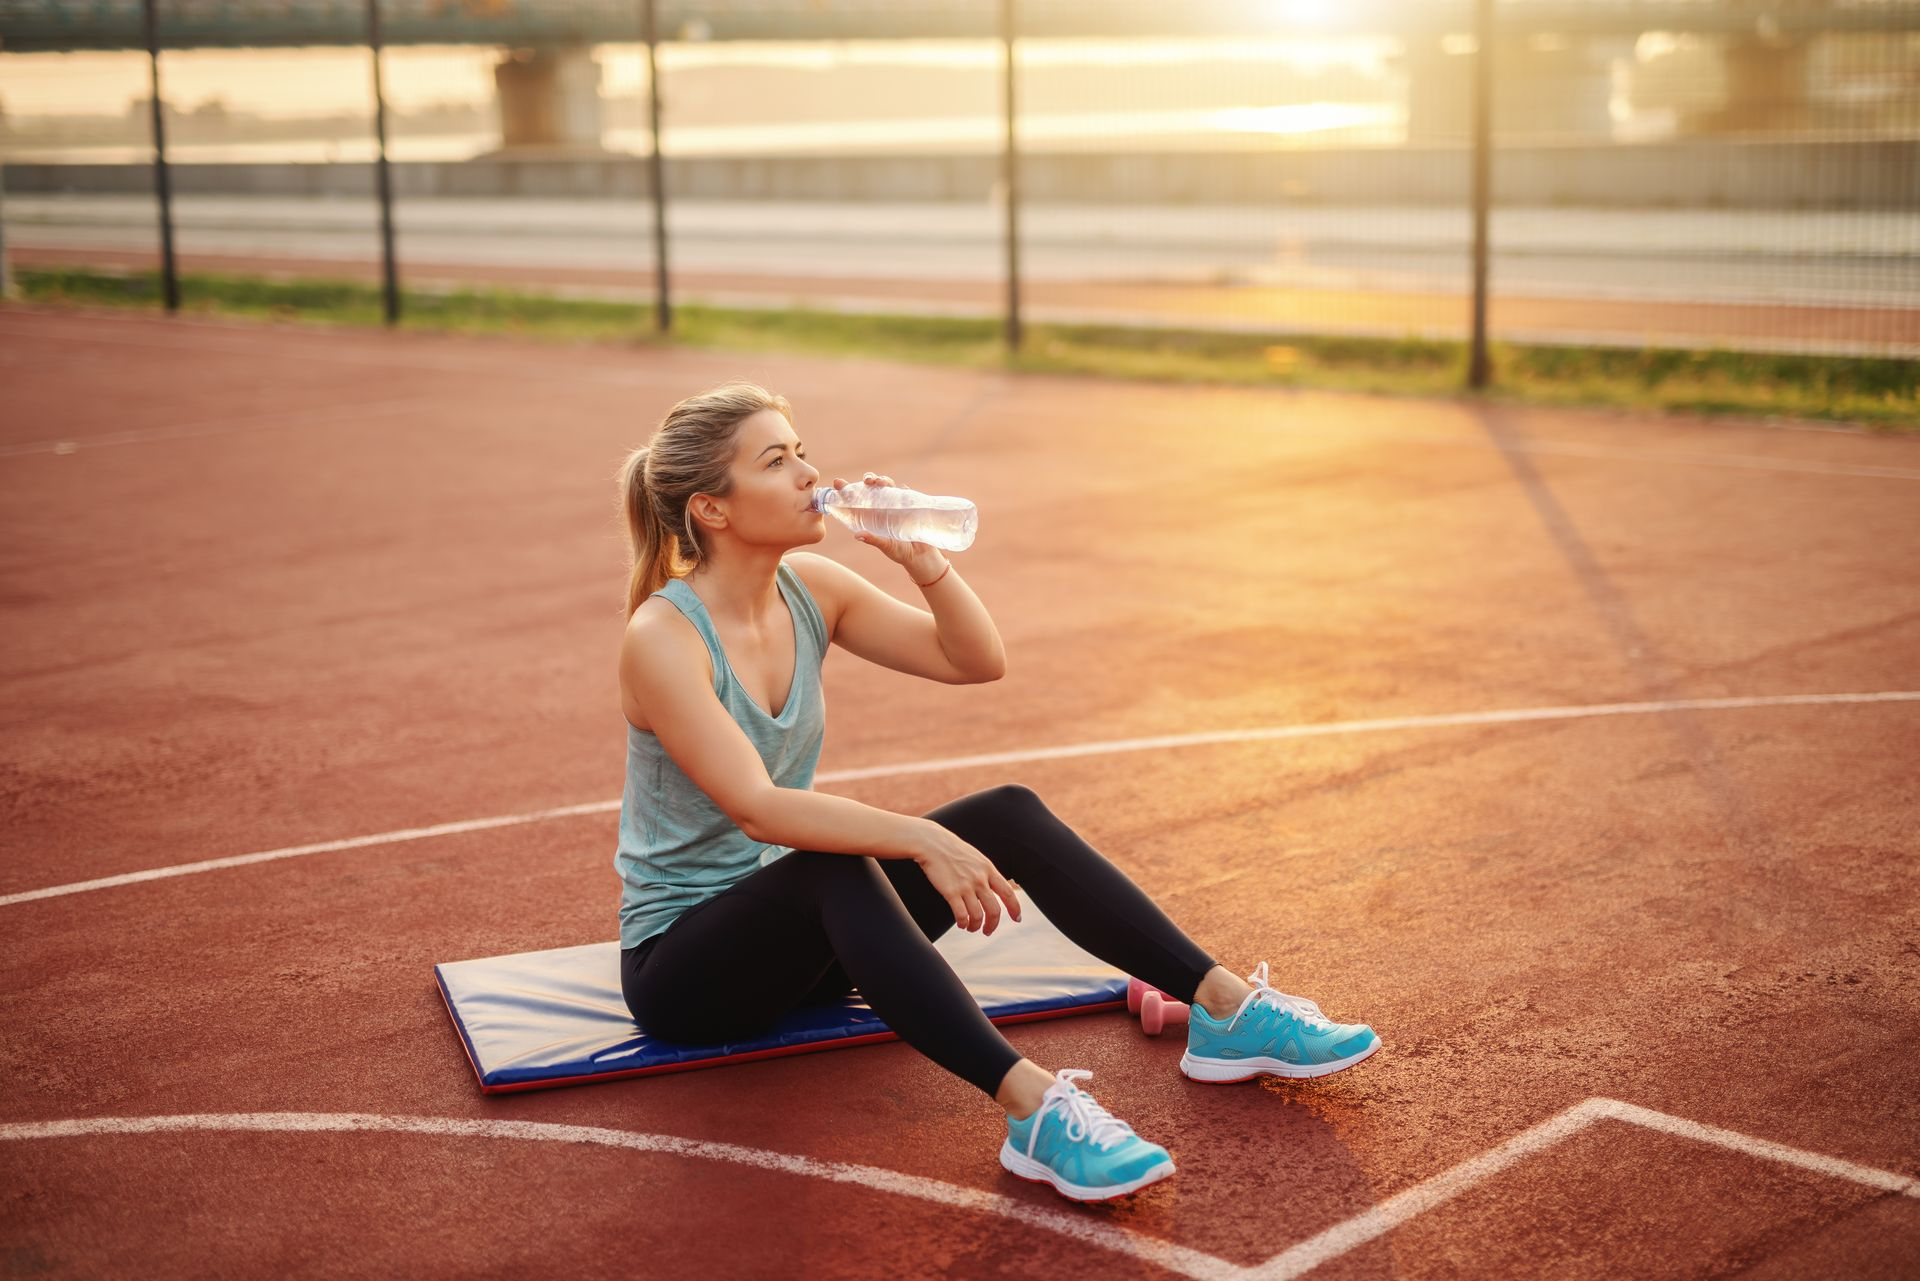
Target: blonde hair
x: 691, y: 453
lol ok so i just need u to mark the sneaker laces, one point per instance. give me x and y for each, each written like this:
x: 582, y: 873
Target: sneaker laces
x: 1300, y: 1007
x: 1084, y: 1116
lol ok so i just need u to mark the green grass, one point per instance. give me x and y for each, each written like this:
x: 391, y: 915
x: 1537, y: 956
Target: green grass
x: 1878, y: 393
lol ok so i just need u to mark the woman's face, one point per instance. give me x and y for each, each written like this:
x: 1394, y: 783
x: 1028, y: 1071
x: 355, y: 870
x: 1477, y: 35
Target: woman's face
x: 773, y: 485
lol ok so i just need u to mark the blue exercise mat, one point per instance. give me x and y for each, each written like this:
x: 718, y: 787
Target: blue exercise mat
x: 541, y: 1019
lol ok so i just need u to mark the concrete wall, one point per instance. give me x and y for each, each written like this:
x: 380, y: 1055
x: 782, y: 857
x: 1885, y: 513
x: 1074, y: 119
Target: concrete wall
x: 1703, y: 174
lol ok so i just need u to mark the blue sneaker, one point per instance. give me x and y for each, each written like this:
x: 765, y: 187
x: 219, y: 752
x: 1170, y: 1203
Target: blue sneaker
x: 1271, y: 1034
x: 1084, y: 1151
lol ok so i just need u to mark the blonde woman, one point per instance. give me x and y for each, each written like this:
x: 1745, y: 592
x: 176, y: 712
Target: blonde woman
x: 746, y: 893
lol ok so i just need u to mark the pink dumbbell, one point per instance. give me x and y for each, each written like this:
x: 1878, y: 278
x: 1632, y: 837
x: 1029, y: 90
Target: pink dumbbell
x: 1156, y: 1009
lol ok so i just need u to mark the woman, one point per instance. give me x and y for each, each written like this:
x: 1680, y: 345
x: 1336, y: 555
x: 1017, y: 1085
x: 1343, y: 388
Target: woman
x: 747, y: 893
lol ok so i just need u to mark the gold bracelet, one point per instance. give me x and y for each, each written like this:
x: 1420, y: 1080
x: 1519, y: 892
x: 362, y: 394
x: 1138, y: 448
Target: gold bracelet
x: 936, y: 578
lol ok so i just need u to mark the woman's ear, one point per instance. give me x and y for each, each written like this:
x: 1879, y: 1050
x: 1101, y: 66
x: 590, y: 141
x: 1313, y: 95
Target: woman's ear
x: 707, y: 510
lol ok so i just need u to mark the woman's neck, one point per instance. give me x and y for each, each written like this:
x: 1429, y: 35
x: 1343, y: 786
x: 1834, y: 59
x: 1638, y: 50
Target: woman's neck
x: 749, y: 597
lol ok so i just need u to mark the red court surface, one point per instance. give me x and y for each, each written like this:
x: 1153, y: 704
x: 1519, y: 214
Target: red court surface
x: 1575, y: 752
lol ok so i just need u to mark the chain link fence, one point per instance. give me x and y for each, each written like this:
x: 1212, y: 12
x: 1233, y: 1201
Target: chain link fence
x: 1744, y: 177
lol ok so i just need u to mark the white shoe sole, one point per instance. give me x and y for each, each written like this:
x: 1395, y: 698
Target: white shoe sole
x: 1034, y: 1171
x: 1225, y: 1071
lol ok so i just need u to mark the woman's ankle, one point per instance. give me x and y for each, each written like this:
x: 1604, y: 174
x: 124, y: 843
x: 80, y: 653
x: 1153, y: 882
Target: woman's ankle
x: 1220, y: 993
x: 1023, y: 1089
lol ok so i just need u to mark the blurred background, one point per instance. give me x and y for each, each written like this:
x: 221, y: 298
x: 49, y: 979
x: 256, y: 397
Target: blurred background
x: 1688, y: 174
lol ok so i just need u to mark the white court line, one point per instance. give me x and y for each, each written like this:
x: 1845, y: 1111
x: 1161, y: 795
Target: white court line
x: 1885, y: 1180
x: 1396, y: 1210
x: 1081, y: 1226
x: 1352, y: 1233
x: 1497, y: 717
x: 1085, y: 1229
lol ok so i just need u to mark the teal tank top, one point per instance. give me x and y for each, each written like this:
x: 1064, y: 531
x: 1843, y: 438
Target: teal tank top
x: 677, y: 848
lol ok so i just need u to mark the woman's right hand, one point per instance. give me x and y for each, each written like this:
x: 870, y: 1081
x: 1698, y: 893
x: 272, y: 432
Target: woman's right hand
x: 965, y: 877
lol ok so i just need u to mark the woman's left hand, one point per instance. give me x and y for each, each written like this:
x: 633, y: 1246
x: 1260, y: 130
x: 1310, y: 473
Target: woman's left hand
x: 921, y: 560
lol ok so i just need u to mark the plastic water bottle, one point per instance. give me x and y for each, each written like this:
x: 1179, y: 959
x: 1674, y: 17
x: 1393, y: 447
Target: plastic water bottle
x: 893, y: 511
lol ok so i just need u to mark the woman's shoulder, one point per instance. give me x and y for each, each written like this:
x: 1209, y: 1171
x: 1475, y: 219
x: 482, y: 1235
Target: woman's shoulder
x: 810, y: 568
x: 660, y: 633
x: 654, y: 611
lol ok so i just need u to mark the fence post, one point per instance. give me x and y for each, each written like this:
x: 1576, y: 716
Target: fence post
x: 1010, y: 182
x: 6, y: 273
x: 663, y: 305
x: 1477, y: 369
x: 169, y: 277
x: 389, y: 269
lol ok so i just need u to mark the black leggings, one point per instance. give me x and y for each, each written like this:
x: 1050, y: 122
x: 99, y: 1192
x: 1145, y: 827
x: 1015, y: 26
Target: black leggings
x: 812, y: 924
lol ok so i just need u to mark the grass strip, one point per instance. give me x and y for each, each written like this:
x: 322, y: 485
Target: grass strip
x: 1879, y: 393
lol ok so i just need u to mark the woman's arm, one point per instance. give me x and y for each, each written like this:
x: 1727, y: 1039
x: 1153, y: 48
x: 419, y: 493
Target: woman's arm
x: 956, y: 644
x: 967, y: 634
x: 807, y: 820
x: 962, y: 629
x: 972, y: 886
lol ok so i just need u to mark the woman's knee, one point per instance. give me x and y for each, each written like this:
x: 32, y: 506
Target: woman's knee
x: 1003, y: 799
x: 1017, y: 794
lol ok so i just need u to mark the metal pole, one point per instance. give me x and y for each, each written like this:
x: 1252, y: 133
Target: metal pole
x: 1478, y: 371
x: 663, y: 304
x: 1010, y: 182
x: 6, y: 276
x: 169, y: 277
x: 390, y: 269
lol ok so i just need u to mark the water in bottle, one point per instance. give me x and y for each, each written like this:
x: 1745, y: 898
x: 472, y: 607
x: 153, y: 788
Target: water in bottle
x: 893, y: 511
